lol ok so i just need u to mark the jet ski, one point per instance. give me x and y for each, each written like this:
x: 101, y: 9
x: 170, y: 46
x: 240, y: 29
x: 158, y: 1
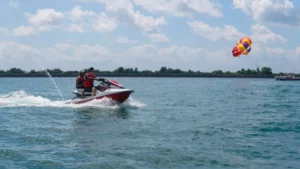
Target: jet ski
x: 109, y: 89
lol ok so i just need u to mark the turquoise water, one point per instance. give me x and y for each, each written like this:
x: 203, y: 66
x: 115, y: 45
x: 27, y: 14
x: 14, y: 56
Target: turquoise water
x: 167, y: 123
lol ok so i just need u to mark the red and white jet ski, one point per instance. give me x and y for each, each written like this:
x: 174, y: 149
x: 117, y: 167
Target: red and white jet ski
x: 112, y: 90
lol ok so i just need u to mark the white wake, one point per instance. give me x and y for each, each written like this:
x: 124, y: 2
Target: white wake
x: 23, y: 99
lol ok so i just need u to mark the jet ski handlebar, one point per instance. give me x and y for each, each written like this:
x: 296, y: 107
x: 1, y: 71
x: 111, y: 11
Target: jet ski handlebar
x: 109, y: 83
x: 103, y: 81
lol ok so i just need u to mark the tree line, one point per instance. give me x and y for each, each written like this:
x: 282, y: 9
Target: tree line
x: 264, y: 72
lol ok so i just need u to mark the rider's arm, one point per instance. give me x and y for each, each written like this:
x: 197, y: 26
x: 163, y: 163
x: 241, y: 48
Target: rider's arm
x: 101, y: 79
x: 87, y: 77
x: 98, y: 78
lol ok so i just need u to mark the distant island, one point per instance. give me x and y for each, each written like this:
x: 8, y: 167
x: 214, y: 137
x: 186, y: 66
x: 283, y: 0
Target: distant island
x: 264, y: 72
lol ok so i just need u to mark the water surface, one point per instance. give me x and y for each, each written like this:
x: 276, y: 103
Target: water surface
x: 167, y: 123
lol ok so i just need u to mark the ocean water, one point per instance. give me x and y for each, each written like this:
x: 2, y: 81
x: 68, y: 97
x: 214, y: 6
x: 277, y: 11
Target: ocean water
x: 167, y: 123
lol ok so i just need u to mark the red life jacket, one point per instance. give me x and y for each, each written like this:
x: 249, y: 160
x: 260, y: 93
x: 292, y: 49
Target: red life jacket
x: 87, y: 82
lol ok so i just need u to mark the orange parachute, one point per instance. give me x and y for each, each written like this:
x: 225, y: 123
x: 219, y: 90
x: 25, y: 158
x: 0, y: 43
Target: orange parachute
x: 243, y: 46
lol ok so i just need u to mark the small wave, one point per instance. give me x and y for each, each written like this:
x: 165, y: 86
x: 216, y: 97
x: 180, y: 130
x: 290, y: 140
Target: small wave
x: 133, y: 103
x: 291, y: 126
x: 23, y: 99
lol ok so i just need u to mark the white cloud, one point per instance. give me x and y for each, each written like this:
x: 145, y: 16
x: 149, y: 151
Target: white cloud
x: 298, y: 51
x: 3, y: 30
x: 217, y: 33
x: 264, y: 35
x: 147, y: 24
x: 45, y: 19
x: 152, y: 57
x: 79, y: 20
x: 145, y: 56
x: 158, y: 37
x: 165, y: 54
x: 75, y: 20
x: 75, y: 28
x: 70, y: 52
x: 14, y: 50
x: 23, y: 31
x: 86, y: 19
x: 104, y: 23
x: 277, y: 51
x: 125, y: 40
x: 182, y: 8
x: 26, y: 57
x: 291, y: 55
x: 77, y: 14
x: 279, y: 12
x: 124, y: 13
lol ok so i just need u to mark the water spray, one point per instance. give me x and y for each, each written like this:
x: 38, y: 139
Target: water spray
x: 54, y: 84
x: 49, y: 75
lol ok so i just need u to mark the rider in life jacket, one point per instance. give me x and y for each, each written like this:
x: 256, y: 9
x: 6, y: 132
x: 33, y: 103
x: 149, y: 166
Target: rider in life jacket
x: 88, y: 83
x: 80, y: 80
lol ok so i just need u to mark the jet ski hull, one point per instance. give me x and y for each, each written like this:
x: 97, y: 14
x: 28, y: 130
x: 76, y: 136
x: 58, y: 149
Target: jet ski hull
x: 119, y: 96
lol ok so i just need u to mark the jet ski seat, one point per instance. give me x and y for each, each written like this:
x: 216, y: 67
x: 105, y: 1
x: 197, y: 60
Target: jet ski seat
x: 79, y: 91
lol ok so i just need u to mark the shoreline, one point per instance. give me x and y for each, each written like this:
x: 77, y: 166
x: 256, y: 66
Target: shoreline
x: 163, y: 72
x: 144, y: 76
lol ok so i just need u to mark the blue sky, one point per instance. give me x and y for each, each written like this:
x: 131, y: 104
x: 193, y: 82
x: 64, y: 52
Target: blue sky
x: 185, y: 34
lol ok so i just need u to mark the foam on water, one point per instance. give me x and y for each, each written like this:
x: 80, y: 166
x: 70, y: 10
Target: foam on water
x: 23, y: 99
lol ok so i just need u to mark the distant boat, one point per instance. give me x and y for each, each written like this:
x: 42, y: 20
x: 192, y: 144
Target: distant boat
x: 290, y: 77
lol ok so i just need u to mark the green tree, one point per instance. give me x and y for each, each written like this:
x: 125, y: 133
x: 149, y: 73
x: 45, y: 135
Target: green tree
x: 97, y: 71
x: 177, y: 71
x: 15, y: 70
x: 228, y: 73
x: 120, y: 70
x: 57, y: 71
x: 248, y: 72
x: 163, y: 69
x: 146, y: 71
x: 129, y: 70
x: 251, y: 72
x: 218, y: 72
x: 254, y: 72
x: 32, y: 71
x: 170, y: 70
x: 258, y: 70
x: 242, y: 71
x: 266, y: 70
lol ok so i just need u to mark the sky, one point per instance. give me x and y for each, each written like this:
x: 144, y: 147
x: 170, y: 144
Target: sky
x: 187, y: 34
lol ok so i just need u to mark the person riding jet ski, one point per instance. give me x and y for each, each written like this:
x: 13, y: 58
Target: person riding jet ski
x: 80, y: 80
x: 88, y: 83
